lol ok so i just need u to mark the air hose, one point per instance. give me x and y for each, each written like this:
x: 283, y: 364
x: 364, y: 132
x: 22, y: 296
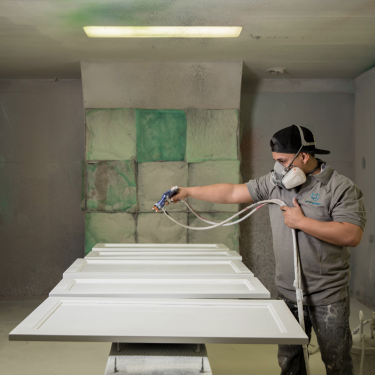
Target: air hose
x: 297, y: 265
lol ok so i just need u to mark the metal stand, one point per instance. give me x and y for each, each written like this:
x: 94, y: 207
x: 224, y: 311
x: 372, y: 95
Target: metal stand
x: 158, y: 359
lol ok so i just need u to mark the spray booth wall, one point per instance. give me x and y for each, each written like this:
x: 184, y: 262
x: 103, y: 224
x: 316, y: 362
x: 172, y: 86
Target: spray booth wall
x: 150, y: 126
x: 365, y: 178
x: 42, y: 171
x: 41, y: 183
x: 134, y: 155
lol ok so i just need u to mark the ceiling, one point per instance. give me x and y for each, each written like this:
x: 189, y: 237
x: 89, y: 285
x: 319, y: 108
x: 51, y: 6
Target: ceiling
x: 310, y: 39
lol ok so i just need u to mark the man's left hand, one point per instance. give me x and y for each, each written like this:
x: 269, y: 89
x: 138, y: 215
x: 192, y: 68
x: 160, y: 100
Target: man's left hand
x: 293, y: 215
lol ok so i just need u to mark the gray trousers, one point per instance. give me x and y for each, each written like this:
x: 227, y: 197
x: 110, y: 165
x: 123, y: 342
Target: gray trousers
x: 331, y: 325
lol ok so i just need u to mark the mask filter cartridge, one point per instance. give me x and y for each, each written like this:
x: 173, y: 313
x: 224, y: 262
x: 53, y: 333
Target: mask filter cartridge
x: 294, y: 177
x: 287, y: 178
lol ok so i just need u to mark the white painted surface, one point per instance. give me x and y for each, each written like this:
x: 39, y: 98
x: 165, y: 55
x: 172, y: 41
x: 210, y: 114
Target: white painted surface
x: 164, y: 255
x: 157, y: 247
x: 246, y: 287
x: 165, y: 269
x: 161, y: 321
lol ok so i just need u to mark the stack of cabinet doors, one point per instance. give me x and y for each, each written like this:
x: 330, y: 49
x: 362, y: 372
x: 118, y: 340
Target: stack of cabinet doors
x: 161, y: 293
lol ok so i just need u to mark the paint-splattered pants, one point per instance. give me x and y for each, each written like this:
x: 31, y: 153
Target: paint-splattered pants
x: 331, y: 325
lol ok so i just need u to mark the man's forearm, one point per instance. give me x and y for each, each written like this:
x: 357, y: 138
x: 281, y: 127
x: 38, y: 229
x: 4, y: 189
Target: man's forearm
x: 218, y: 193
x: 336, y: 233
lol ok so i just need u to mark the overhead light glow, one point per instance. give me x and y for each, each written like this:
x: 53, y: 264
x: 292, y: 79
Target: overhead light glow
x: 162, y: 31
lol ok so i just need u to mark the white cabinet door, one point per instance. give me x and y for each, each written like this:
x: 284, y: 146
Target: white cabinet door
x: 161, y: 321
x: 168, y: 255
x: 157, y: 247
x: 246, y: 287
x: 159, y: 269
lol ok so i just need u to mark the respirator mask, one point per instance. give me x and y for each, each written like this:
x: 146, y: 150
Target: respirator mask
x: 290, y: 177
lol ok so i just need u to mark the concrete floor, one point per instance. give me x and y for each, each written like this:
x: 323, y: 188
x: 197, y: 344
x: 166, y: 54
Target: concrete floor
x: 63, y: 358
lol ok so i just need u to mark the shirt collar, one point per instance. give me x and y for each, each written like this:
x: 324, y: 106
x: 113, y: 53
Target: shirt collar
x: 325, y: 175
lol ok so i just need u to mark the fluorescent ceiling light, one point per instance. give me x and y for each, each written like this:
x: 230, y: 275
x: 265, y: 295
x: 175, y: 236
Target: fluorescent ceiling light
x: 163, y: 31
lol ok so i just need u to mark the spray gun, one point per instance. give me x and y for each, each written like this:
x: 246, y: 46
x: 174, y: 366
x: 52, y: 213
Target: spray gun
x: 165, y: 198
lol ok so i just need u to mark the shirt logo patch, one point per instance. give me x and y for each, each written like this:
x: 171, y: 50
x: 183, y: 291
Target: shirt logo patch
x: 314, y: 198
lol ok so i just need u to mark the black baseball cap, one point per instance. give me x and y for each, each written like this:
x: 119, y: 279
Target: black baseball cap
x: 289, y: 141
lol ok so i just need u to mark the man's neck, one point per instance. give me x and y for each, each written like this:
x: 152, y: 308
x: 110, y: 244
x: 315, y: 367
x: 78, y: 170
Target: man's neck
x: 315, y: 168
x: 318, y: 170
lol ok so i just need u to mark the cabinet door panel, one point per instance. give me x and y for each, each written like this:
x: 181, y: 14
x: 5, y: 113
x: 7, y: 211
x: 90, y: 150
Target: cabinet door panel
x: 161, y: 321
x: 165, y: 255
x: 157, y: 247
x: 246, y: 287
x: 151, y: 269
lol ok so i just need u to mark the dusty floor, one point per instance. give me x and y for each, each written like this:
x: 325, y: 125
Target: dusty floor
x: 57, y: 358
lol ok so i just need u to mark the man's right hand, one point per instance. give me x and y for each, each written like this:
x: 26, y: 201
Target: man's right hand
x: 182, y: 193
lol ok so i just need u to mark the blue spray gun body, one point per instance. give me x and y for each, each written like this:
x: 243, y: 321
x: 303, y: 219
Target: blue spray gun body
x: 165, y: 197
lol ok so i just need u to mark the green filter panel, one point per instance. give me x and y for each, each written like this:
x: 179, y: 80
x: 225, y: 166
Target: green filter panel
x: 214, y: 172
x: 111, y: 186
x: 161, y: 135
x: 155, y: 178
x: 212, y: 135
x: 110, y: 134
x: 109, y: 228
x: 157, y: 228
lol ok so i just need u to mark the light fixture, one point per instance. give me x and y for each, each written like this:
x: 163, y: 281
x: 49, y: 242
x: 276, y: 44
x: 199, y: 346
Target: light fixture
x: 162, y: 31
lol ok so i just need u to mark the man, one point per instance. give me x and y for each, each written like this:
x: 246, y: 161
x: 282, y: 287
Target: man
x: 327, y: 211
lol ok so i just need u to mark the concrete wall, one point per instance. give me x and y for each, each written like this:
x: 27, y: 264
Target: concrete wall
x: 365, y: 178
x: 324, y: 106
x: 161, y: 85
x: 41, y: 164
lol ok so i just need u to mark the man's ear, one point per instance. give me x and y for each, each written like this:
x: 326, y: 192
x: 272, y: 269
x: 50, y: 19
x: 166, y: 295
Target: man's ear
x: 305, y: 157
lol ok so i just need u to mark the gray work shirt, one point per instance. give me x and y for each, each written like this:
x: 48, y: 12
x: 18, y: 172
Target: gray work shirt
x: 327, y: 196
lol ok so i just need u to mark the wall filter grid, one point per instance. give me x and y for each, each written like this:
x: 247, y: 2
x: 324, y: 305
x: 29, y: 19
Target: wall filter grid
x: 133, y: 156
